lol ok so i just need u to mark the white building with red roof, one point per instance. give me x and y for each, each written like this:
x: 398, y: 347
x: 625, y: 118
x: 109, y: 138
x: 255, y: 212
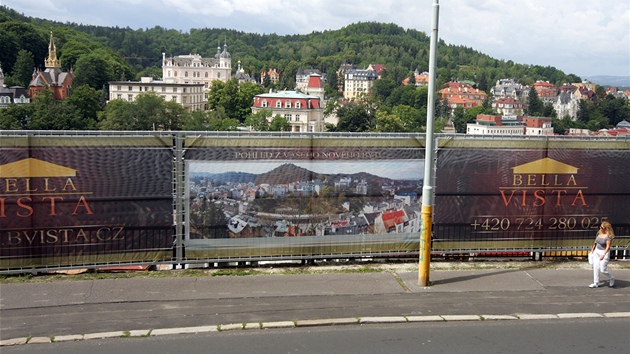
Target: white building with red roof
x: 304, y: 112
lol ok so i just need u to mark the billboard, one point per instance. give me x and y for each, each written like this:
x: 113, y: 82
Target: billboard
x: 264, y: 197
x: 70, y: 200
x: 528, y: 194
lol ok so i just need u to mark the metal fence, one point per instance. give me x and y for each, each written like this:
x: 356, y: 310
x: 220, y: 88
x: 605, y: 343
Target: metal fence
x: 77, y: 199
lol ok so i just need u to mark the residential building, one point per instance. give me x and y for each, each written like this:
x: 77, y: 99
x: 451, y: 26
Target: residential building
x: 341, y: 74
x: 60, y: 82
x: 190, y: 96
x: 358, y: 82
x: 486, y: 124
x: 508, y: 106
x: 302, y: 78
x: 546, y: 91
x: 13, y: 94
x: 508, y: 88
x: 194, y: 69
x: 378, y: 69
x: 420, y: 79
x: 462, y: 94
x: 273, y: 74
x: 303, y: 112
x: 567, y: 104
x: 241, y: 76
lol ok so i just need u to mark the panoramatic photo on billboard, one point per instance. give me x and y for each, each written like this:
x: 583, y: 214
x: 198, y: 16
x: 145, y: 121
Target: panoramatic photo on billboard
x: 530, y: 194
x: 279, y: 201
x: 85, y: 201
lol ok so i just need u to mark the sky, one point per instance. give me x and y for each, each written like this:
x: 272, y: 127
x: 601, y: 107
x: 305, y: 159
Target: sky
x: 392, y: 169
x: 582, y: 37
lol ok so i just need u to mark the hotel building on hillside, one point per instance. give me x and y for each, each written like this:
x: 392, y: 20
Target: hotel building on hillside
x: 486, y: 124
x: 190, y: 96
x: 302, y: 111
x: 193, y: 69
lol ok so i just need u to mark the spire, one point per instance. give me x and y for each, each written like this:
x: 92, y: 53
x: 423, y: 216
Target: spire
x: 52, y: 61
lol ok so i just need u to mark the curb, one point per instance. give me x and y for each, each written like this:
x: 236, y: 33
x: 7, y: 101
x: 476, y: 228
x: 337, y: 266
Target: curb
x: 304, y: 323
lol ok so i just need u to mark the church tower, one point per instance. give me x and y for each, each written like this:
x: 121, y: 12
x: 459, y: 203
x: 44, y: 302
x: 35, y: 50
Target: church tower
x: 52, y: 61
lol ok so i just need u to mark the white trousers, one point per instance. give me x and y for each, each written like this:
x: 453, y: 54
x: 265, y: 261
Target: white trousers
x: 600, y: 265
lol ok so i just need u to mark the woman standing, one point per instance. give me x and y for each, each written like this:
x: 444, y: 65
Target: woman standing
x: 601, y: 254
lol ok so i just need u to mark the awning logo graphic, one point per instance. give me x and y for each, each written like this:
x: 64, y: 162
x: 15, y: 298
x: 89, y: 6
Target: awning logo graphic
x: 544, y: 181
x: 31, y: 181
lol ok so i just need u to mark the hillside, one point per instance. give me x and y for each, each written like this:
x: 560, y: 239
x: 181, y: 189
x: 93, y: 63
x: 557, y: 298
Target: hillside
x: 400, y: 50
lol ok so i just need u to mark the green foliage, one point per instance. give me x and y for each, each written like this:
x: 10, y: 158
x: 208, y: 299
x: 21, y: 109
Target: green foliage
x: 259, y: 121
x: 279, y: 123
x: 355, y: 117
x: 23, y: 68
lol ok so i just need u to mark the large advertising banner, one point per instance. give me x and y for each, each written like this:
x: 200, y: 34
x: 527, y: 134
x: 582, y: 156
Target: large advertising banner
x: 85, y: 200
x: 302, y: 196
x: 529, y: 194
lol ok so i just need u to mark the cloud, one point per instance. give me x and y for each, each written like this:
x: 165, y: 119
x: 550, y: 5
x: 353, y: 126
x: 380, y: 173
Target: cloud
x: 584, y: 37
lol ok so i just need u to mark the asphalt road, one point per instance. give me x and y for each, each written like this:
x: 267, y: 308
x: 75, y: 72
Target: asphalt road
x: 483, y: 337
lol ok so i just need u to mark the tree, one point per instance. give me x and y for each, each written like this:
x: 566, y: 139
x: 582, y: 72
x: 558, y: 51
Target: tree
x: 16, y: 117
x: 259, y: 121
x: 355, y: 117
x: 86, y: 100
x: 219, y: 121
x: 459, y: 119
x: 52, y: 114
x: 534, y: 106
x: 23, y: 68
x: 279, y: 123
x: 93, y: 70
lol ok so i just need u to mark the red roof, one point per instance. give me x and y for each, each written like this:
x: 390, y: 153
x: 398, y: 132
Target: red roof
x: 315, y: 81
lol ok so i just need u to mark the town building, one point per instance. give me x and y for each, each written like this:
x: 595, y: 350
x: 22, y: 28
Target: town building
x: 341, y: 74
x: 190, y: 96
x: 13, y: 94
x: 302, y: 111
x: 546, y: 91
x: 508, y: 106
x: 302, y: 78
x: 358, y: 82
x: 420, y: 79
x: 241, y: 76
x: 194, y: 69
x: 486, y: 124
x: 60, y: 82
x: 273, y: 75
x: 509, y: 88
x: 462, y: 94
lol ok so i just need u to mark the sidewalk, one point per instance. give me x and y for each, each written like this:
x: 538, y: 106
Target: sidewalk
x: 37, y: 312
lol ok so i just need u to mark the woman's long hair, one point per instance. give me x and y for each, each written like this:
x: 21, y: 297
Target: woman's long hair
x: 609, y: 230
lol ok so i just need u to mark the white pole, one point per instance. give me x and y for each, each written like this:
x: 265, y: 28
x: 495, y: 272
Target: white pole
x: 424, y: 262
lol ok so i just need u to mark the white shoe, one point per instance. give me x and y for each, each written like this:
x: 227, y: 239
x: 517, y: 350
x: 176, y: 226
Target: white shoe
x: 611, y: 283
x: 594, y: 285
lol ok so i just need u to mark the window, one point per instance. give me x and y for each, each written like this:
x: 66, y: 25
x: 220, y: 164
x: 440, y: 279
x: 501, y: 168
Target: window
x: 130, y: 88
x: 218, y: 75
x: 206, y: 75
x: 278, y: 104
x: 287, y: 104
x: 174, y: 98
x: 184, y: 100
x: 129, y: 97
x: 297, y: 117
x: 298, y: 104
x: 163, y: 89
x: 184, y: 90
x: 287, y: 117
x: 119, y: 96
x: 186, y: 74
x: 264, y: 103
x: 174, y: 89
x: 119, y: 88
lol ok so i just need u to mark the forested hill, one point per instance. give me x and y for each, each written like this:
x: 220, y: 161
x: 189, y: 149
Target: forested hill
x: 140, y: 51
